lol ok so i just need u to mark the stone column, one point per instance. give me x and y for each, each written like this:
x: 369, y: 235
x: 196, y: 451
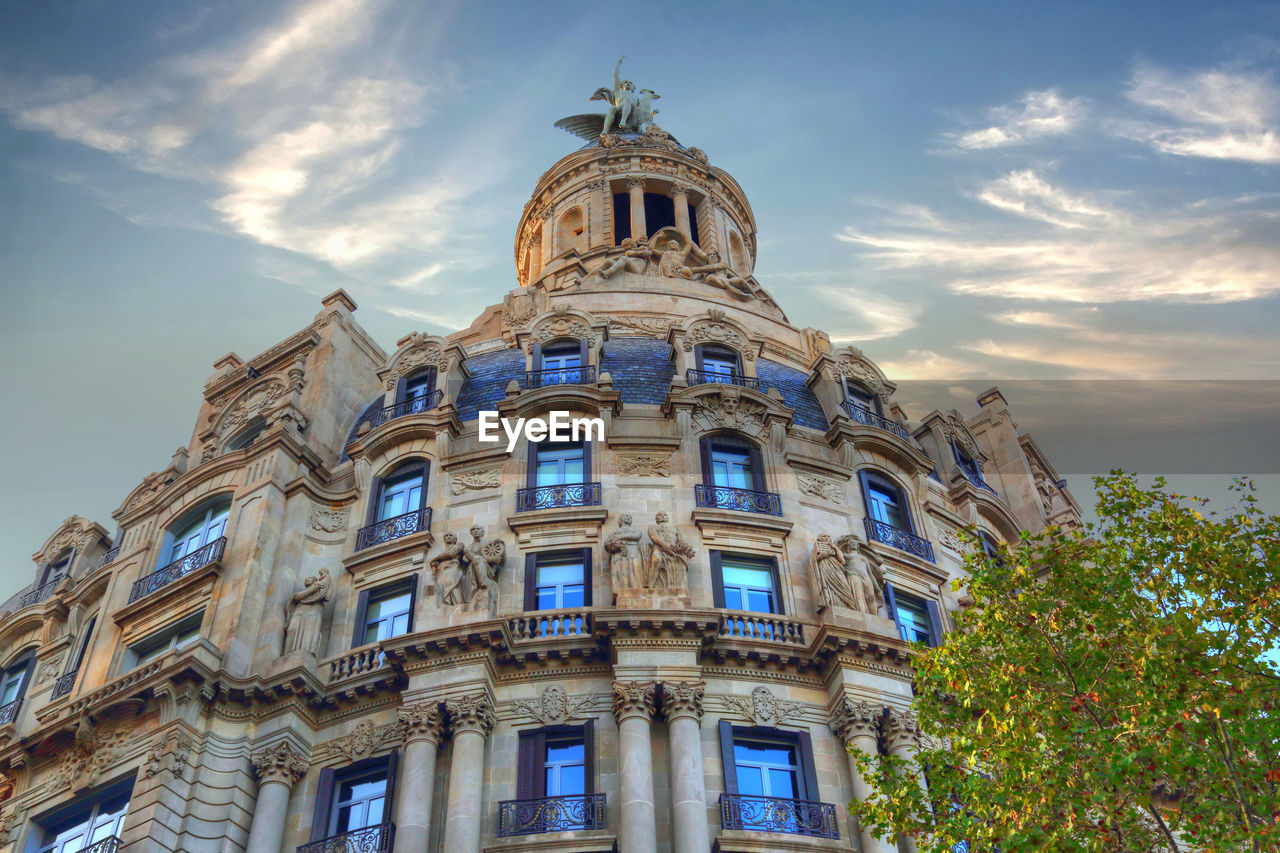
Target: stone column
x: 278, y: 767
x: 682, y: 706
x: 680, y: 198
x: 535, y: 259
x: 633, y: 708
x: 423, y: 731
x: 856, y: 724
x: 901, y: 734
x: 635, y: 186
x: 548, y: 241
x: 472, y: 719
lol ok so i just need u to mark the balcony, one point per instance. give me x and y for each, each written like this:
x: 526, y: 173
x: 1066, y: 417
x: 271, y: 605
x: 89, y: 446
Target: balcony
x: 9, y: 713
x: 106, y: 845
x: 372, y: 839
x: 109, y: 557
x: 38, y: 594
x: 878, y: 531
x: 416, y: 406
x: 550, y: 814
x: 708, y: 377
x: 550, y: 624
x: 560, y: 376
x: 761, y: 626
x: 862, y: 415
x: 63, y: 685
x: 393, y: 528
x: 178, y: 568
x: 558, y: 497
x: 773, y: 814
x: 741, y: 500
x: 975, y: 477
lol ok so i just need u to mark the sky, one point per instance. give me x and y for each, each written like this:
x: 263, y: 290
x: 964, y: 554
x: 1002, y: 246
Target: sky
x: 1059, y: 198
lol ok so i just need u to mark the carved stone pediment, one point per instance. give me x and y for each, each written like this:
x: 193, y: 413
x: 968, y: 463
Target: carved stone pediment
x: 564, y: 322
x: 714, y: 327
x: 955, y: 429
x: 850, y: 363
x: 416, y: 351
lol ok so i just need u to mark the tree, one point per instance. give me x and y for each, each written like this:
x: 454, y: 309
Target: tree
x: 1111, y: 689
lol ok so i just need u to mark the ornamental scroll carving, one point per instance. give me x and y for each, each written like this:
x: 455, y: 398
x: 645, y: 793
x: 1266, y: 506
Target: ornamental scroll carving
x: 554, y: 706
x: 716, y: 331
x: 422, y: 721
x: 955, y: 429
x: 633, y: 699
x: 653, y: 326
x: 171, y: 754
x: 763, y: 708
x: 475, y: 481
x: 724, y: 408
x: 257, y: 402
x: 471, y: 714
x: 421, y: 352
x: 561, y: 326
x: 855, y: 718
x: 820, y: 487
x: 854, y: 365
x: 73, y: 533
x: 91, y: 754
x: 327, y: 520
x: 644, y: 464
x: 683, y: 699
x: 365, y: 740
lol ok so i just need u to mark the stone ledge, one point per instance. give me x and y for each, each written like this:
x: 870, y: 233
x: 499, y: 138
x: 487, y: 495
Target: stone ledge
x: 558, y: 526
x: 581, y: 841
x: 166, y: 596
x: 422, y: 539
x: 742, y: 841
x: 724, y: 525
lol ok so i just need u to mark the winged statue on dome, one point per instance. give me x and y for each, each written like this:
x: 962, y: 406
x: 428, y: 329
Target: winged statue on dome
x: 630, y: 111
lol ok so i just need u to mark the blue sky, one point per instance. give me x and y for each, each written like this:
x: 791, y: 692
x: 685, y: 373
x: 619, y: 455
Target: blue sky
x: 970, y: 192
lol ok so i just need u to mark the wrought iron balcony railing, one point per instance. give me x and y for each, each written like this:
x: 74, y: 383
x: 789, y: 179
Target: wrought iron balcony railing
x: 975, y: 477
x: 550, y: 814
x: 372, y: 839
x: 742, y: 500
x: 705, y: 377
x: 878, y: 531
x: 560, y: 376
x: 558, y: 497
x: 393, y: 528
x: 178, y: 568
x: 416, y: 406
x: 773, y: 814
x: 63, y: 685
x: 109, y: 557
x: 863, y: 415
x: 38, y: 594
x: 9, y: 713
x: 106, y: 845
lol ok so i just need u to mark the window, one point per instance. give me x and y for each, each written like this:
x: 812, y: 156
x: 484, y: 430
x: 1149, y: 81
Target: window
x: 557, y: 761
x: 773, y: 763
x: 57, y: 570
x: 918, y: 619
x: 397, y: 506
x: 401, y: 493
x: 416, y: 394
x: 179, y: 635
x: 885, y: 502
x: 248, y: 435
x: 557, y: 580
x: 85, y: 823
x: 561, y: 363
x: 860, y: 397
x: 990, y: 547
x: 745, y: 583
x: 385, y: 612
x: 559, y: 475
x: 731, y: 462
x: 558, y: 464
x: 195, y: 531
x: 13, y: 685
x: 356, y: 799
x: 718, y: 364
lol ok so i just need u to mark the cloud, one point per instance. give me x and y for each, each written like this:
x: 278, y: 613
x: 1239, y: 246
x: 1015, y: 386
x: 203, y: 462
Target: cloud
x: 923, y: 364
x: 879, y: 316
x: 1028, y: 194
x: 1219, y: 113
x: 1037, y: 115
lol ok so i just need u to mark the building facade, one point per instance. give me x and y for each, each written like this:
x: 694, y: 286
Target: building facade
x: 337, y: 620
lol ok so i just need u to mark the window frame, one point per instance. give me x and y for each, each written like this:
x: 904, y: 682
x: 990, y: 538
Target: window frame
x: 64, y: 559
x: 932, y: 612
x: 584, y: 353
x: 170, y: 634
x: 403, y: 470
x: 531, y: 775
x: 867, y: 479
x: 706, y: 447
x: 970, y: 465
x: 78, y: 660
x: 389, y: 590
x: 531, y: 460
x: 799, y: 739
x: 531, y: 575
x: 90, y: 806
x: 208, y: 511
x: 717, y: 579
x: 26, y: 660
x: 248, y: 435
x: 860, y: 395
x: 701, y: 351
x: 324, y: 816
x: 403, y: 383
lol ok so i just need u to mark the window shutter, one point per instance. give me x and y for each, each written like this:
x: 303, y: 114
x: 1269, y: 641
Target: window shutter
x: 27, y: 659
x: 757, y: 469
x: 324, y: 801
x: 777, y: 586
x: 393, y: 765
x: 697, y: 356
x: 530, y: 582
x: 400, y: 389
x: 531, y: 464
x: 362, y: 610
x: 866, y: 493
x: 586, y: 461
x: 525, y: 761
x: 717, y: 580
x: 589, y: 750
x: 935, y: 622
x: 413, y: 600
x: 375, y: 497
x: 892, y: 607
x: 807, y: 769
x: 584, y: 351
x: 426, y: 479
x: 84, y: 645
x: 537, y: 355
x: 726, y: 757
x: 586, y: 576
x: 705, y: 445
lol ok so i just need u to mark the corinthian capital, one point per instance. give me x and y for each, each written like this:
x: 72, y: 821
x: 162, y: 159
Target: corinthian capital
x: 422, y: 722
x: 678, y: 189
x: 853, y: 719
x: 901, y: 732
x: 280, y: 763
x: 633, y: 699
x: 635, y: 182
x: 683, y: 699
x: 471, y: 714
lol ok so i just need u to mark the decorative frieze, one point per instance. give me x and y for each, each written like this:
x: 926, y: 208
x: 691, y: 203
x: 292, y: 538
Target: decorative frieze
x: 643, y: 464
x: 820, y: 487
x: 474, y: 481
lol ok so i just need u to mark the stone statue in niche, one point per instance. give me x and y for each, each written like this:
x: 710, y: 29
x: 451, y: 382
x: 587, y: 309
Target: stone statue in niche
x: 624, y: 551
x: 866, y: 577
x: 484, y: 560
x: 304, y: 615
x: 446, y: 573
x: 669, y: 555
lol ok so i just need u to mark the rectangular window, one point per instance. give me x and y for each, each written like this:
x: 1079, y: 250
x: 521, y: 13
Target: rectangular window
x: 385, y: 612
x: 556, y: 761
x: 356, y: 799
x: 559, y: 464
x: 416, y: 393
x: 559, y: 583
x: 766, y: 762
x: 361, y: 802
x: 86, y: 822
x: 860, y: 397
x: 745, y: 583
x: 918, y: 619
x: 558, y: 580
x: 401, y: 495
x: 179, y: 635
x: 731, y: 466
x: 884, y: 504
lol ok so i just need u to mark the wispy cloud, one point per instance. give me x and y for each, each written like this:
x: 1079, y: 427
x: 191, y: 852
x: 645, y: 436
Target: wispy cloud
x: 1028, y: 194
x: 1036, y: 116
x: 865, y: 315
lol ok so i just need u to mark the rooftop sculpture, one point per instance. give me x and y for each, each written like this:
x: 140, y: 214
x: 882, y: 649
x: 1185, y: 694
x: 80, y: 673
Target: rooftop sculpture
x: 630, y: 111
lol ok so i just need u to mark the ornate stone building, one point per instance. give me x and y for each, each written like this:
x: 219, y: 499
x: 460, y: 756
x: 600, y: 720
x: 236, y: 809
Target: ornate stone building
x: 337, y: 621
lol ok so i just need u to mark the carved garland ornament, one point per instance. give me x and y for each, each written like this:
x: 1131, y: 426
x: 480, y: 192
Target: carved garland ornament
x: 763, y: 708
x: 554, y: 707
x: 91, y: 754
x: 561, y: 327
x: 820, y: 487
x: 365, y: 740
x: 654, y: 326
x: 955, y: 429
x: 257, y: 402
x: 860, y: 371
x: 327, y: 520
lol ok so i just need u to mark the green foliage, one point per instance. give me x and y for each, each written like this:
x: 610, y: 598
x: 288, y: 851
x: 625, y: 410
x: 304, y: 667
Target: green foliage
x: 1112, y: 689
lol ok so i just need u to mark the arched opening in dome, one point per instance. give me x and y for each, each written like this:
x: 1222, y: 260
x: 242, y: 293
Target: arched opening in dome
x: 659, y: 212
x: 571, y: 233
x: 738, y: 259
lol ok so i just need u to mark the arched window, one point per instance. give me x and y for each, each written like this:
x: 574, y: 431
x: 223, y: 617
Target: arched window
x: 718, y: 363
x: 248, y: 435
x: 886, y: 503
x: 195, y: 530
x: 397, y: 505
x: 738, y: 259
x: 416, y: 393
x: 733, y: 477
x: 561, y: 362
x: 13, y: 685
x: 857, y: 395
x: 659, y: 212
